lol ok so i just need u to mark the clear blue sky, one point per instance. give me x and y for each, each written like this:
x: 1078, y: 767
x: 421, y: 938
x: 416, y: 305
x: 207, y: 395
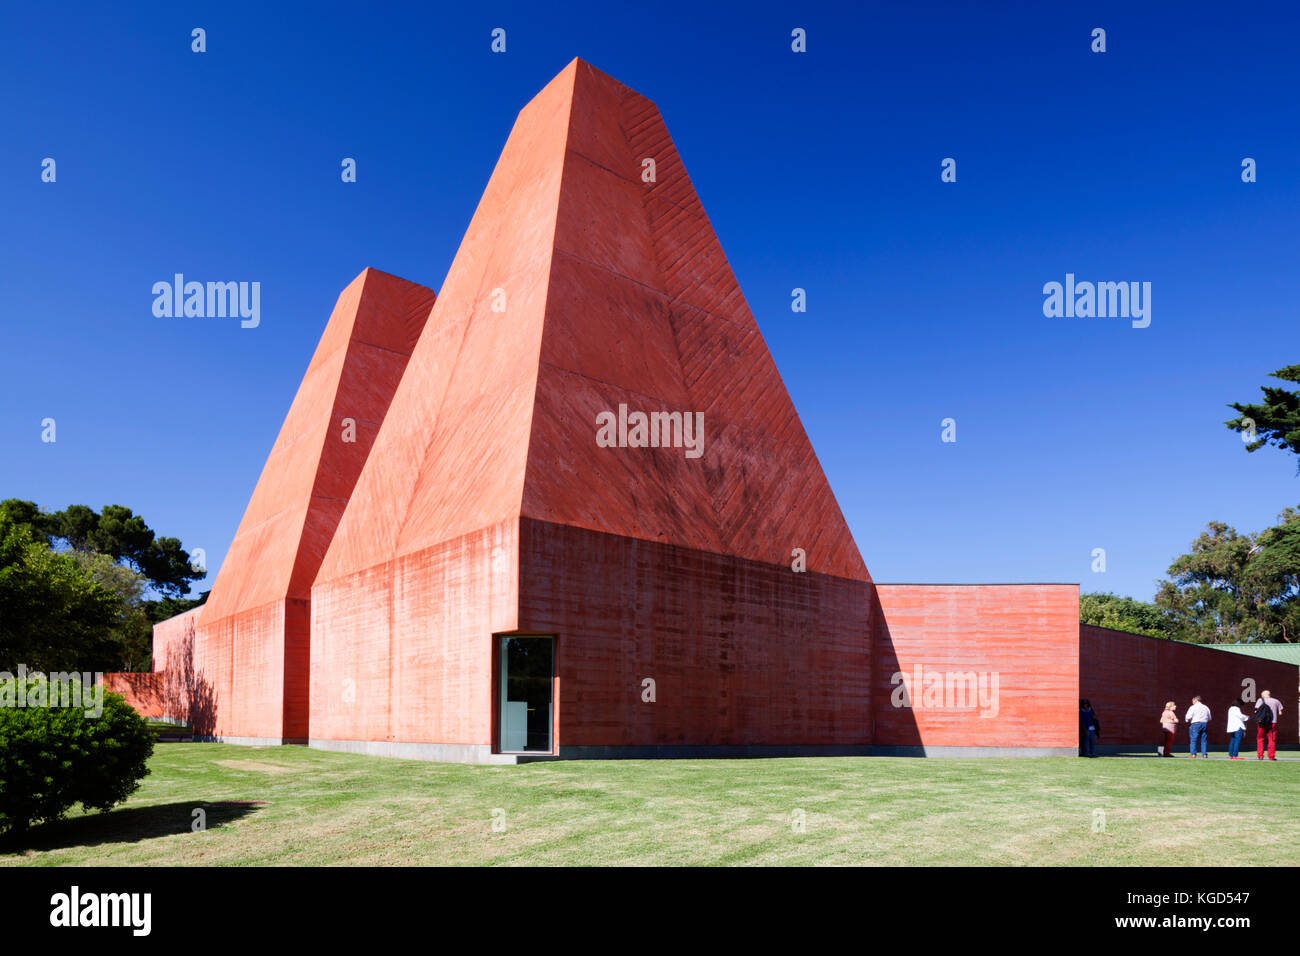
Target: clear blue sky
x: 819, y: 170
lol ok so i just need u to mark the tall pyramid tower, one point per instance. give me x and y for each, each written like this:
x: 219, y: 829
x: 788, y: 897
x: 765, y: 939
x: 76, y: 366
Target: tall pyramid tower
x: 253, y: 640
x: 700, y: 594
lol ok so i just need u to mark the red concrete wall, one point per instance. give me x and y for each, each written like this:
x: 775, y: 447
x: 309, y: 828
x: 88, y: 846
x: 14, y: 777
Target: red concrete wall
x: 1128, y: 678
x: 403, y: 651
x: 143, y: 692
x: 1026, y: 634
x: 741, y: 653
x: 226, y: 676
x: 243, y: 656
x: 168, y: 635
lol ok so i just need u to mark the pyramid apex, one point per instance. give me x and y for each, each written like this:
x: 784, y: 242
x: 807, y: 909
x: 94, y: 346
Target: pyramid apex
x: 578, y: 67
x: 619, y: 298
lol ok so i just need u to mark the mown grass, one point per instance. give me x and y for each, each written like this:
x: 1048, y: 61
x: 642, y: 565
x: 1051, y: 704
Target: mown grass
x: 294, y: 806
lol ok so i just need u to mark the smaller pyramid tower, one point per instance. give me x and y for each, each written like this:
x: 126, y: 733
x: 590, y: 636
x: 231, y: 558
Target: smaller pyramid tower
x: 253, y: 641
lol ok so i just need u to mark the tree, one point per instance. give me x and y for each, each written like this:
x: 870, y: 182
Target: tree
x: 26, y: 512
x: 53, y: 614
x: 1275, y: 573
x: 1104, y: 609
x: 117, y: 532
x: 1234, y: 587
x: 134, y: 626
x: 74, y: 587
x: 1277, y: 420
x: 55, y: 754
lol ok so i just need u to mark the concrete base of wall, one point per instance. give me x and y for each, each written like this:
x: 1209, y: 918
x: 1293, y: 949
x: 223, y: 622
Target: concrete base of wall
x: 687, y: 752
x: 482, y: 754
x: 684, y: 752
x: 443, y: 753
x: 920, y: 750
x: 250, y: 741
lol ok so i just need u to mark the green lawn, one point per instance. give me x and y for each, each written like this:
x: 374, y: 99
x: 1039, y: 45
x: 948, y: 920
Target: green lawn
x: 291, y: 805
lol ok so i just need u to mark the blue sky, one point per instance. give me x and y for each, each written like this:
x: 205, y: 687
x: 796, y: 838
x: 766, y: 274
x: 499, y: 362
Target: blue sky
x: 819, y: 170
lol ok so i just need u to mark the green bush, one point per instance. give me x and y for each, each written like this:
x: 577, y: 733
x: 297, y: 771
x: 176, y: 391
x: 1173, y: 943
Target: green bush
x: 54, y: 757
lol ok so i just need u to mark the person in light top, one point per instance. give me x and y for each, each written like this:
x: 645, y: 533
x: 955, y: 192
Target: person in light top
x: 1236, y: 728
x: 1169, y: 724
x: 1198, y: 725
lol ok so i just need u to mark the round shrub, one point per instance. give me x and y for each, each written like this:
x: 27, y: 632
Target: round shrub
x: 54, y: 755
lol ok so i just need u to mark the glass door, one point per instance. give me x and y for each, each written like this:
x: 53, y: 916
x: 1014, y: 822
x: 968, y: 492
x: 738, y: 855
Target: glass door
x: 527, y: 683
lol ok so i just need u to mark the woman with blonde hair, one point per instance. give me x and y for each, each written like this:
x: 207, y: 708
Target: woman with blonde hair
x: 1169, y: 723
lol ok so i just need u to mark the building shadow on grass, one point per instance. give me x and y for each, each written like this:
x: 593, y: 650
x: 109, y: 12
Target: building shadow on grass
x: 127, y: 825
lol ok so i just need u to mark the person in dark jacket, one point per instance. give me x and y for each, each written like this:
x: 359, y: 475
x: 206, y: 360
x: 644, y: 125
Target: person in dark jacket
x: 1089, y: 729
x: 1267, y: 711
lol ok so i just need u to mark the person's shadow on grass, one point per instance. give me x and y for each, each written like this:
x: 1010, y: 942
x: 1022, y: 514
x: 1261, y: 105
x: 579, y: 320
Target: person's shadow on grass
x: 128, y: 825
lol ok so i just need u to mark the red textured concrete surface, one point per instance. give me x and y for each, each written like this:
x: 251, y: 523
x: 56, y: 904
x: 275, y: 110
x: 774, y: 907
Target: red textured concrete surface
x: 1026, y: 634
x: 144, y: 692
x: 253, y: 642
x: 1129, y: 677
x: 611, y: 297
x: 607, y: 290
x: 742, y: 653
x: 168, y: 635
x: 402, y: 651
x: 643, y: 310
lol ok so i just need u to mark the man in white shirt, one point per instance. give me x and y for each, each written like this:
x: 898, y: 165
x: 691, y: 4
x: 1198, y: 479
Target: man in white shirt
x: 1198, y: 725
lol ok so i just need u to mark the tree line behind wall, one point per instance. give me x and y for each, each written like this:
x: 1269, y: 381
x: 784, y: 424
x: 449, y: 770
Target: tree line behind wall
x: 81, y: 589
x: 1230, y: 587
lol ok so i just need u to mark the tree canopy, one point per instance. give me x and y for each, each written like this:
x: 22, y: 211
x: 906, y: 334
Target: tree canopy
x: 1234, y: 587
x: 1276, y: 420
x: 1105, y: 609
x: 53, y: 614
x: 74, y: 587
x: 115, y: 531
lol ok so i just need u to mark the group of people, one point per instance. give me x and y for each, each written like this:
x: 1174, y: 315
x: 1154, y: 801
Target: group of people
x: 1267, y: 713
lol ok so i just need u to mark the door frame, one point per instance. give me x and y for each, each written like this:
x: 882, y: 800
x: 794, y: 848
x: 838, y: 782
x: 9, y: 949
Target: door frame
x: 498, y: 637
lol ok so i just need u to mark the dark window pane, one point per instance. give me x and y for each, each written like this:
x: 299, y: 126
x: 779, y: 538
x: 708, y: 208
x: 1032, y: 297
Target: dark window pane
x: 527, y: 667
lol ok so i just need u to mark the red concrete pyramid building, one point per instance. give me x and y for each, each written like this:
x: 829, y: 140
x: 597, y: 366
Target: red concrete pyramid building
x: 488, y: 505
x: 581, y: 518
